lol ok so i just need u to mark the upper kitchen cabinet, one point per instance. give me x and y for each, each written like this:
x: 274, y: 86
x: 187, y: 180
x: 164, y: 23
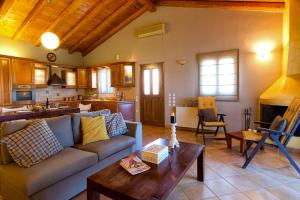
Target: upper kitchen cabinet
x: 23, y: 72
x: 122, y: 74
x: 82, y: 78
x: 41, y: 75
x: 69, y: 76
x: 92, y: 78
x: 5, y: 81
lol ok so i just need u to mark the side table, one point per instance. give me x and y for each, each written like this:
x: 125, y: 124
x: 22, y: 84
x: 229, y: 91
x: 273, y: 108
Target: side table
x: 238, y: 135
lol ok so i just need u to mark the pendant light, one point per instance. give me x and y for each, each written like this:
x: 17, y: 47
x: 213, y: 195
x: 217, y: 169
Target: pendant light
x: 50, y: 40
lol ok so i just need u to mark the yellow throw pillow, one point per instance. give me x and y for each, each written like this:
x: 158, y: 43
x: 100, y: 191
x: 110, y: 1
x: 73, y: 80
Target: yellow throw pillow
x: 93, y: 129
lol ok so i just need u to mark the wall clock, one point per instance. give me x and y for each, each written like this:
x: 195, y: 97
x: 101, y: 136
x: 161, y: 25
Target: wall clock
x: 51, y: 57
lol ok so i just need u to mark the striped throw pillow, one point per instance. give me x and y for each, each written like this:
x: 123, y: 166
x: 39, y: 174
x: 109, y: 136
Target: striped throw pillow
x: 32, y: 144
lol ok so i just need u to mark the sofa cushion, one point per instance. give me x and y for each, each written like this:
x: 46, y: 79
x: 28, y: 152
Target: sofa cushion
x: 40, y: 176
x: 62, y: 128
x: 106, y: 148
x: 8, y: 128
x: 115, y: 124
x: 32, y: 144
x: 76, y: 126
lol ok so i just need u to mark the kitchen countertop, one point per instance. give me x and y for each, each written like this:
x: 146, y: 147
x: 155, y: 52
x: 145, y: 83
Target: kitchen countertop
x: 8, y: 116
x: 108, y: 100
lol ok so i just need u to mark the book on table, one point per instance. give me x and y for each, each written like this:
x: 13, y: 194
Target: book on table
x: 155, y: 153
x: 134, y: 165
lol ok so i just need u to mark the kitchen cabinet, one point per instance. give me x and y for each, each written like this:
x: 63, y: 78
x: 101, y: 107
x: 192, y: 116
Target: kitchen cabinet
x: 122, y: 74
x: 23, y: 72
x: 5, y: 81
x: 69, y: 76
x: 82, y: 81
x: 127, y: 108
x: 41, y: 75
x: 92, y: 78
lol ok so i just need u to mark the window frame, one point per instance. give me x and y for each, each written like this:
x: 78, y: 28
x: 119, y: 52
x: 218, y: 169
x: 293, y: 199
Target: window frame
x: 217, y: 55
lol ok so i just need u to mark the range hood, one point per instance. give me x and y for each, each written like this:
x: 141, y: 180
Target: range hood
x: 54, y: 79
x: 288, y: 85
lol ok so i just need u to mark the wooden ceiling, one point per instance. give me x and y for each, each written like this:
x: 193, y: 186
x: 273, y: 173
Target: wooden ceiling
x: 82, y: 25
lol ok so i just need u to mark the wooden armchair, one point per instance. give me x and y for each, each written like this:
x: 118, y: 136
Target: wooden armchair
x: 209, y: 117
x: 279, y: 138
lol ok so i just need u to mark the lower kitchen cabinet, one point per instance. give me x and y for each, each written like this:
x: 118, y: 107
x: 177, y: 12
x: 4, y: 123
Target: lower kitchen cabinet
x: 127, y: 108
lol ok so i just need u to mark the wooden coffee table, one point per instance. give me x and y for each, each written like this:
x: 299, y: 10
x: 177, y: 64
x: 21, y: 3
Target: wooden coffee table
x: 156, y: 183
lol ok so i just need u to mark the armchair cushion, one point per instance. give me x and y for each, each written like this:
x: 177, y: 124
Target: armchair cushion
x: 208, y: 115
x: 214, y: 124
x: 278, y: 124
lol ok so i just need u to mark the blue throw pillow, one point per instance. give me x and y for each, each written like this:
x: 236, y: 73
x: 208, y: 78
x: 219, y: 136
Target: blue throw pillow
x: 115, y: 124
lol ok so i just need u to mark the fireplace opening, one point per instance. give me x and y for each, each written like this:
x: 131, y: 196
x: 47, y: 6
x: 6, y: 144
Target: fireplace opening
x: 269, y: 112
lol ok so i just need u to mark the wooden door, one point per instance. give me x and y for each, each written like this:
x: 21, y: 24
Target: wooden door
x: 92, y: 78
x: 23, y: 72
x: 5, y: 81
x: 69, y: 77
x: 82, y: 78
x: 152, y: 94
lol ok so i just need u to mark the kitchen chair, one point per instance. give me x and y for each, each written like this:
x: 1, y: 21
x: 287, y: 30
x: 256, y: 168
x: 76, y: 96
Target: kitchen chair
x: 85, y: 108
x: 280, y: 136
x: 209, y: 117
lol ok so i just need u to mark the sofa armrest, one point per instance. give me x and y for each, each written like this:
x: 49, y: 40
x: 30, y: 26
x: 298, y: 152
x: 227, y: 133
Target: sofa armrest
x: 135, y: 130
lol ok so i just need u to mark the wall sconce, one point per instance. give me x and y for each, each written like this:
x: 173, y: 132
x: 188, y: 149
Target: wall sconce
x: 263, y: 50
x: 181, y: 62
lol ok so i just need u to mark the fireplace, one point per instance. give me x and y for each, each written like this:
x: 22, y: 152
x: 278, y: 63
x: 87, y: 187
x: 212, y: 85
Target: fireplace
x: 269, y: 112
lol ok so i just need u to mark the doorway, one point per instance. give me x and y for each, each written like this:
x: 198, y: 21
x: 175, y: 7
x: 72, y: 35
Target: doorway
x: 152, y: 103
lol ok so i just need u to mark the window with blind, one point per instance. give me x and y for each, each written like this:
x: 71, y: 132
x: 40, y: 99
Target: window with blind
x: 104, y: 83
x: 219, y: 75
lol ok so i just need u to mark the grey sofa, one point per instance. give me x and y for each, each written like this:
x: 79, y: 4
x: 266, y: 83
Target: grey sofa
x: 63, y: 176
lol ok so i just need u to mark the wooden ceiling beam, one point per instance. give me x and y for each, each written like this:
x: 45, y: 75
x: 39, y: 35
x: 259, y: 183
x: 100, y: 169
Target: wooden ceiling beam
x: 149, y: 5
x: 101, y: 26
x: 68, y: 10
x: 5, y: 6
x: 33, y: 13
x: 115, y: 30
x: 85, y: 19
x: 229, y: 4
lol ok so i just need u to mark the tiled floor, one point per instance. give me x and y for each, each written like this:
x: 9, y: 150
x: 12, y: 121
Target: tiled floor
x: 268, y: 177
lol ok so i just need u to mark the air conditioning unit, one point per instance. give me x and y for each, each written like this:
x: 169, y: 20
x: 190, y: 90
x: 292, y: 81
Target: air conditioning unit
x: 152, y: 30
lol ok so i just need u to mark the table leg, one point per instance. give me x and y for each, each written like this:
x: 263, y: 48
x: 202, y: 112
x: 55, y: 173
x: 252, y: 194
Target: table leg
x: 200, y: 166
x: 91, y: 193
x: 229, y: 141
x: 241, y: 146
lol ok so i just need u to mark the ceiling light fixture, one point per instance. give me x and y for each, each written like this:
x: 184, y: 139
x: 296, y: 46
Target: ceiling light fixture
x: 50, y: 40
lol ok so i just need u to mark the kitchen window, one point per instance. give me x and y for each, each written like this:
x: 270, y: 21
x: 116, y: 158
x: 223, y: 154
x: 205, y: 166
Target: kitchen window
x: 104, y: 81
x: 219, y: 75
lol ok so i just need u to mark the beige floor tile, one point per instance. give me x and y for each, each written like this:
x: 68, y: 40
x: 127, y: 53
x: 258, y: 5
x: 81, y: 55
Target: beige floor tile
x: 295, y: 185
x: 196, y: 191
x: 261, y: 194
x: 177, y: 194
x: 189, y: 177
x: 283, y: 192
x: 243, y: 183
x: 220, y: 187
x: 236, y: 196
x: 263, y: 180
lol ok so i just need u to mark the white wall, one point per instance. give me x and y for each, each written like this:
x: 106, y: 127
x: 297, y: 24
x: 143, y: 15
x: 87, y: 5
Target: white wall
x: 26, y: 49
x: 195, y: 30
